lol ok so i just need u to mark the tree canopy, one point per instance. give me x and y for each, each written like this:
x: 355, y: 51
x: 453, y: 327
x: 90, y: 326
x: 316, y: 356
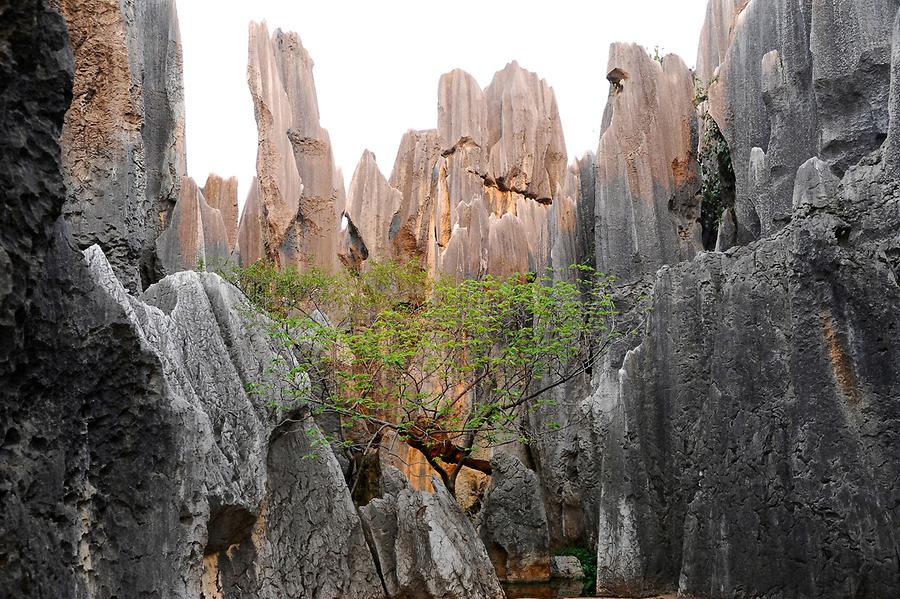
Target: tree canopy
x: 447, y: 365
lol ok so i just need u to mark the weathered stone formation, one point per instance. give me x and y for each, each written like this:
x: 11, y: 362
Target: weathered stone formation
x: 423, y: 543
x: 646, y: 203
x: 472, y: 197
x: 371, y: 207
x: 504, y: 162
x: 747, y: 443
x: 298, y: 186
x: 137, y: 457
x: 222, y: 195
x: 797, y: 79
x: 123, y: 141
x: 415, y: 176
x: 196, y: 239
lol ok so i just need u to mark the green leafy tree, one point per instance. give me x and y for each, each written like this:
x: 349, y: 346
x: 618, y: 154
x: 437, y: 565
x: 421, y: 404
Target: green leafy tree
x: 447, y: 366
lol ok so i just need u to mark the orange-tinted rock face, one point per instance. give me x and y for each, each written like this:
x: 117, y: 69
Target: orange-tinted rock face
x: 298, y: 184
x: 249, y: 246
x: 647, y: 173
x: 415, y: 176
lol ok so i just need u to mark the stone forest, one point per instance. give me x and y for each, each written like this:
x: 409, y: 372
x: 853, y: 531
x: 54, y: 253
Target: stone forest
x: 740, y: 437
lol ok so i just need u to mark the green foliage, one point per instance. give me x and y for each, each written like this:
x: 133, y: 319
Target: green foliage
x: 588, y: 559
x: 447, y: 365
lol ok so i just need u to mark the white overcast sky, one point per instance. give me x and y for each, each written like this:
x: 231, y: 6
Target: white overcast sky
x: 377, y: 64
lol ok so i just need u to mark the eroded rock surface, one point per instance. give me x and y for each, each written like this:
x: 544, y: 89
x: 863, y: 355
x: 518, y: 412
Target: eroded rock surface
x: 123, y: 141
x: 798, y: 79
x: 748, y: 439
x: 646, y: 200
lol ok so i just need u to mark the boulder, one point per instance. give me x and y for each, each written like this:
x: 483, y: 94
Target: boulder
x: 513, y: 524
x: 566, y: 566
x: 426, y: 546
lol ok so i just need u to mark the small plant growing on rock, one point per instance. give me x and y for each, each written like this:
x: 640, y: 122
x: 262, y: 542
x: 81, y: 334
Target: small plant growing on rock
x: 446, y: 366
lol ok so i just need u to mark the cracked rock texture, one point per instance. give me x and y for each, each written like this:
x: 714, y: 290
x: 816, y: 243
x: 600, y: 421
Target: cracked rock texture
x: 123, y: 140
x: 424, y: 544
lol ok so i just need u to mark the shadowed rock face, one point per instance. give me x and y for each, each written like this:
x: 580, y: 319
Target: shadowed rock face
x: 512, y: 522
x: 646, y: 200
x: 800, y: 78
x: 123, y: 141
x: 297, y: 181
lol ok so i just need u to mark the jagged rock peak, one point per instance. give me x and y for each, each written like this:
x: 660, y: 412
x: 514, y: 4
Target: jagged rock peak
x: 647, y: 204
x: 123, y: 141
x: 372, y: 205
x: 414, y: 175
x: 524, y: 135
x: 298, y: 183
x: 462, y: 111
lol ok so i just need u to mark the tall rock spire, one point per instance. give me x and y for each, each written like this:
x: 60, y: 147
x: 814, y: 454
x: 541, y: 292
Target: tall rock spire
x: 298, y: 183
